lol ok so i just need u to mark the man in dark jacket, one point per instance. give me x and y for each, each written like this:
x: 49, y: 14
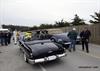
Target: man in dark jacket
x: 5, y: 38
x: 85, y: 34
x: 73, y: 36
x: 9, y: 37
x: 2, y: 38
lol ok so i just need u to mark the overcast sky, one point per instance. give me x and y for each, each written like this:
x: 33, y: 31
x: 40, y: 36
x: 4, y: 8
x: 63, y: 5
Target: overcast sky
x: 36, y: 12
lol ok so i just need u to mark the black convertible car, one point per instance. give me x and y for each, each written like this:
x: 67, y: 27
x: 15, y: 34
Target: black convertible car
x: 37, y: 51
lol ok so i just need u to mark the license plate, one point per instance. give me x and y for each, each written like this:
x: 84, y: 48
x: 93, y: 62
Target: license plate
x: 52, y: 57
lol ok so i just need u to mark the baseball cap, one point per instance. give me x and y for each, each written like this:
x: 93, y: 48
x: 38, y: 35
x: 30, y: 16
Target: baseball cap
x: 74, y: 28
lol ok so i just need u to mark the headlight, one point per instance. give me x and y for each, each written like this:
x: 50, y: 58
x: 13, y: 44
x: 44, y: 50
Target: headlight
x: 31, y: 55
x: 78, y: 37
x: 59, y: 40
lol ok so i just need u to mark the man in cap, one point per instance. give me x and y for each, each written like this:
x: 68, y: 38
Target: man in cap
x: 72, y: 36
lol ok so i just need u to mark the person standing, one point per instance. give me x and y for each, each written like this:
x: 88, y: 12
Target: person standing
x: 2, y: 38
x: 6, y: 38
x: 37, y: 34
x: 15, y: 37
x: 72, y: 36
x: 9, y: 37
x: 85, y: 35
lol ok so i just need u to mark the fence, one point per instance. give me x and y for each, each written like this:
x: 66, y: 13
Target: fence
x: 95, y: 31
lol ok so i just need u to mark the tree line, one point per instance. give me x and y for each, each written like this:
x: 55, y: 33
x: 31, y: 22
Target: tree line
x: 16, y: 27
x: 75, y: 21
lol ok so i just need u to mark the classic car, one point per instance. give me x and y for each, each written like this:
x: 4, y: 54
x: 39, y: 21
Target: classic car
x: 63, y: 39
x: 37, y: 51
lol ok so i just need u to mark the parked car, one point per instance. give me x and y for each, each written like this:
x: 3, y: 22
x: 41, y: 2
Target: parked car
x: 41, y: 51
x: 78, y: 40
x: 63, y: 39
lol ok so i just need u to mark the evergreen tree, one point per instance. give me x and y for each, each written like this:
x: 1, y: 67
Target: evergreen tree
x: 96, y: 18
x: 77, y: 21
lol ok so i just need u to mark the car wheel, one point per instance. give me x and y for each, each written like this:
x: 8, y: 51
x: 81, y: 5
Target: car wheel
x: 66, y: 46
x: 25, y: 58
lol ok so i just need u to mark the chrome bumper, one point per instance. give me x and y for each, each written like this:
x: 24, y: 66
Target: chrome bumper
x: 49, y: 58
x: 68, y: 43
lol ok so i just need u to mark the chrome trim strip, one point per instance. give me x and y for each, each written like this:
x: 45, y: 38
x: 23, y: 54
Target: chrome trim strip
x: 46, y: 58
x: 68, y: 43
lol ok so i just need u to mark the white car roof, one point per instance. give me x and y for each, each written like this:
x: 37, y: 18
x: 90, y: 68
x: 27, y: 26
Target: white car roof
x: 4, y: 30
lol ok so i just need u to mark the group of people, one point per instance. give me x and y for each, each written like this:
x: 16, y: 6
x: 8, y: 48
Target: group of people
x: 42, y: 34
x: 84, y: 37
x: 5, y: 37
x: 30, y: 35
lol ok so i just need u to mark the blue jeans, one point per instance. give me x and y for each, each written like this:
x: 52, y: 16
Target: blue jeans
x: 73, y: 43
x: 1, y: 41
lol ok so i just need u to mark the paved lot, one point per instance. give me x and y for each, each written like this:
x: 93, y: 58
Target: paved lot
x: 11, y: 59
